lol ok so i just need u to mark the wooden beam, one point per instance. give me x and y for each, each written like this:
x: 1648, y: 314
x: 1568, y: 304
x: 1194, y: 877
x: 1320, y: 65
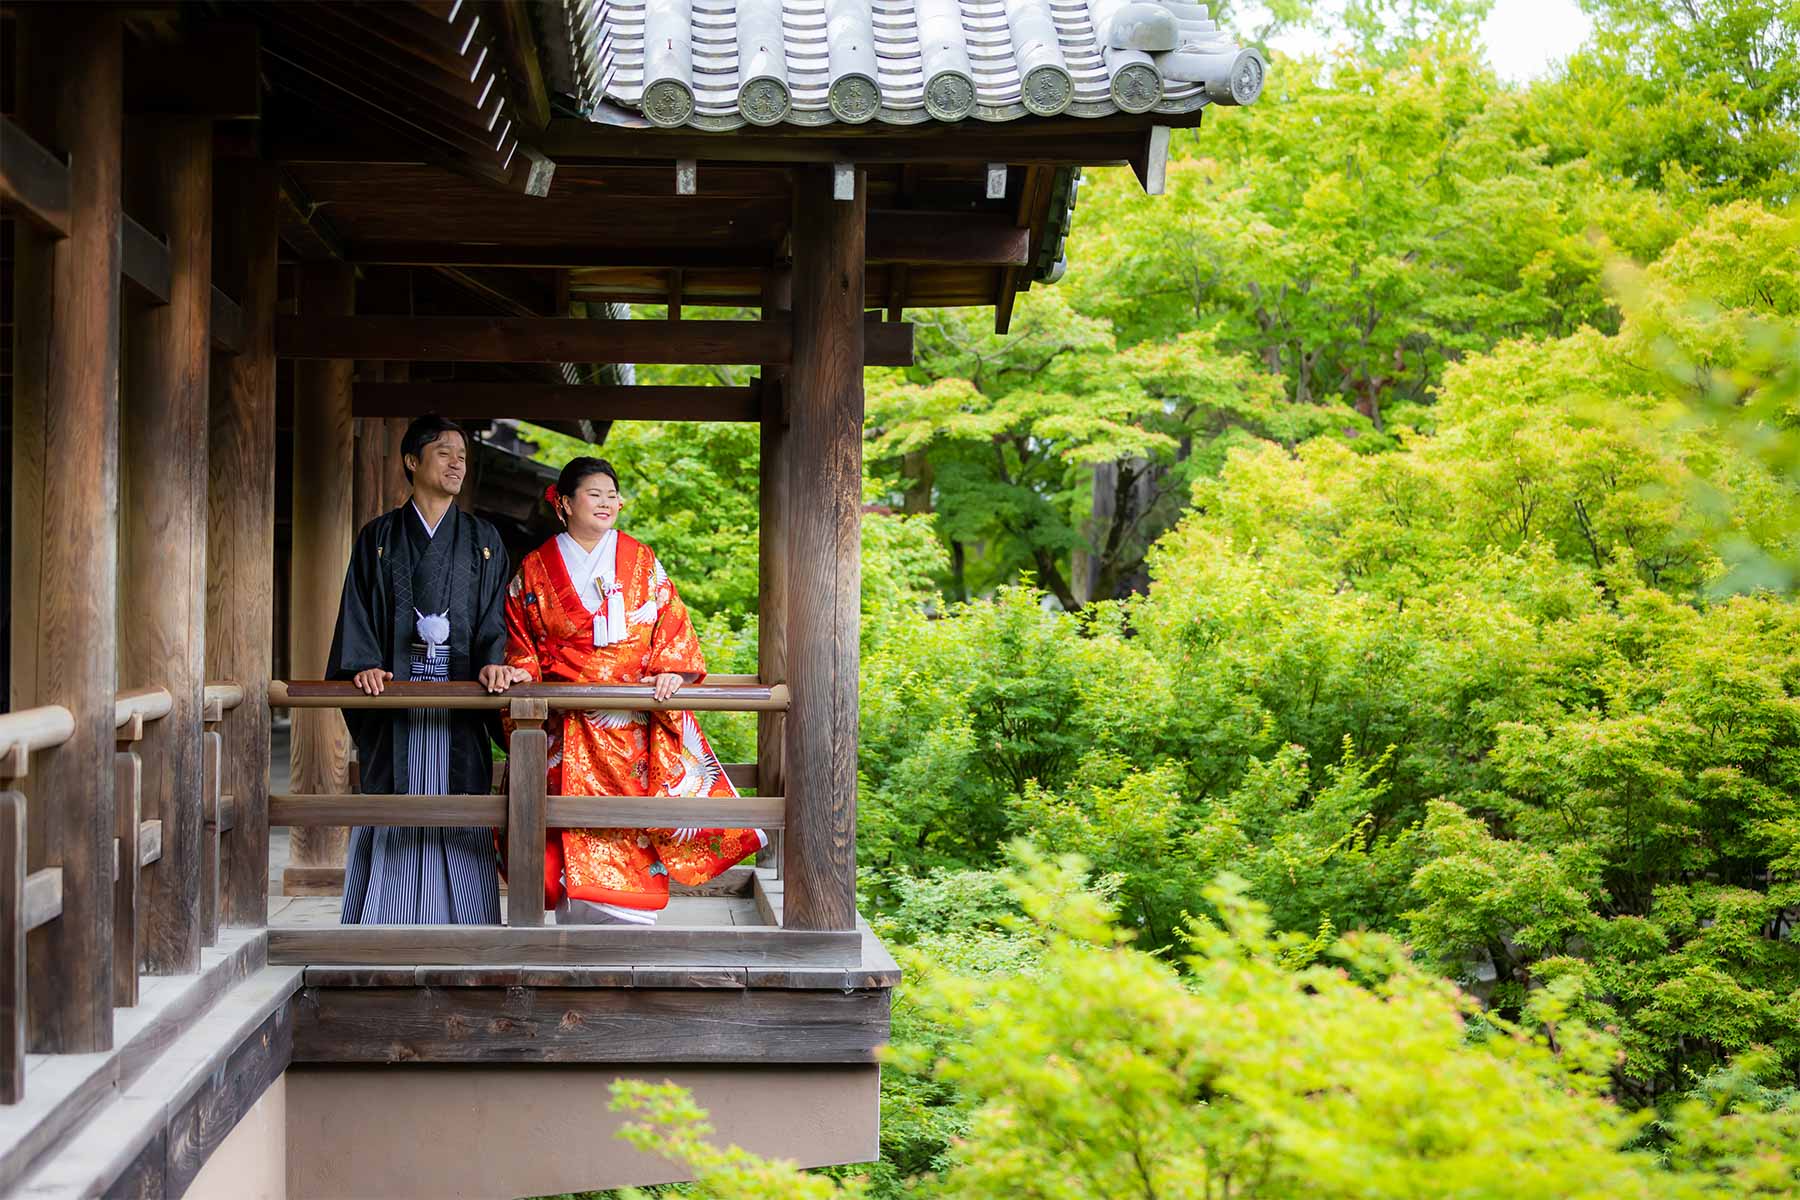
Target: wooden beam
x: 66, y: 500
x: 33, y: 180
x: 240, y: 489
x: 304, y: 227
x: 162, y: 539
x: 824, y: 485
x: 519, y: 46
x: 512, y: 293
x: 1072, y: 141
x: 555, y: 402
x: 565, y: 945
x: 144, y: 260
x: 657, y: 812
x: 227, y: 324
x: 551, y: 256
x: 556, y: 340
x: 324, y: 449
x: 564, y: 812
x: 951, y: 239
x: 563, y: 1025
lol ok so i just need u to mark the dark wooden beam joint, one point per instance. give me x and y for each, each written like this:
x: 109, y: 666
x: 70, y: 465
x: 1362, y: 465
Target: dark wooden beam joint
x: 33, y: 180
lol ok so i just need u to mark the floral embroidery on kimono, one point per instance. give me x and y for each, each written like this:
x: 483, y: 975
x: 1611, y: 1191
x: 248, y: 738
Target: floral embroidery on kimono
x: 551, y: 633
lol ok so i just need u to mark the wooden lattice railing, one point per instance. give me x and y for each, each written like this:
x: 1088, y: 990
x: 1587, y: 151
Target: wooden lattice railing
x: 32, y: 899
x: 526, y: 811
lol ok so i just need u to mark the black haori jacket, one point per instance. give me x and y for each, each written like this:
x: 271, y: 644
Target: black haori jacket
x: 396, y: 567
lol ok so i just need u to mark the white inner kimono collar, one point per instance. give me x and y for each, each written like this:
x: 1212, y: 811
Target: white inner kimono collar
x: 596, y: 579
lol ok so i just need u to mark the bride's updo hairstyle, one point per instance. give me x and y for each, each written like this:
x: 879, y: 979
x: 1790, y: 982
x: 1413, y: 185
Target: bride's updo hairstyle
x: 574, y: 474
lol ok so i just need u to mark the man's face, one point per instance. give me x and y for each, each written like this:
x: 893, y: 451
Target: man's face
x: 442, y: 465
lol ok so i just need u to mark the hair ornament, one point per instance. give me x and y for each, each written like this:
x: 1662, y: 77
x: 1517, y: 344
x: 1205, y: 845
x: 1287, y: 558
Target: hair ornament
x: 551, y: 495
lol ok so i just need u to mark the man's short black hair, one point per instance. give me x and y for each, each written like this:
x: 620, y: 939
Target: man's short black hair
x: 424, y: 431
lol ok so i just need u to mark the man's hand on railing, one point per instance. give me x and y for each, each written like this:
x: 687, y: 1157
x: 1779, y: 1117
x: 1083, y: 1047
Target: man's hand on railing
x: 499, y: 677
x: 373, y: 680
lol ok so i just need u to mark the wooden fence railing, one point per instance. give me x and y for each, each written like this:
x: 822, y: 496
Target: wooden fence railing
x: 32, y: 899
x: 526, y: 812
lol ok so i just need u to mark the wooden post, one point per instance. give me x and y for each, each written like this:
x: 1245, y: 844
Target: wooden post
x: 772, y: 535
x: 324, y: 454
x: 212, y: 780
x: 162, y: 534
x: 66, y: 494
x: 127, y: 818
x: 240, y: 559
x: 526, y: 813
x: 12, y: 947
x: 824, y: 512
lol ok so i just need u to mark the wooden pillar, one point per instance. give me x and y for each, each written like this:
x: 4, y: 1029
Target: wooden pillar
x: 824, y: 570
x: 324, y: 450
x: 240, y: 555
x: 162, y: 528
x: 525, y: 814
x: 66, y: 497
x: 772, y: 540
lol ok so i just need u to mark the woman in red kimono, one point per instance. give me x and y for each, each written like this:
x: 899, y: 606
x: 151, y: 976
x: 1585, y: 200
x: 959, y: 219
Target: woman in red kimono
x: 593, y: 605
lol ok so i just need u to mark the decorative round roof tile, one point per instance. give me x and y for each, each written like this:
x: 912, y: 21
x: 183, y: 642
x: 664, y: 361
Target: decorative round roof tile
x: 950, y: 96
x: 763, y: 101
x: 855, y: 99
x: 1137, y: 87
x: 1247, y: 78
x: 1047, y: 90
x: 668, y: 102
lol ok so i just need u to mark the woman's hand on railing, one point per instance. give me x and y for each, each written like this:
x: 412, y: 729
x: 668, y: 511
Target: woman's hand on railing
x: 667, y: 684
x: 499, y: 677
x: 373, y: 680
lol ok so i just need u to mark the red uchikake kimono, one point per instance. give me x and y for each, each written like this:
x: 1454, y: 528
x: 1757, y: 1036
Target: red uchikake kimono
x: 550, y: 633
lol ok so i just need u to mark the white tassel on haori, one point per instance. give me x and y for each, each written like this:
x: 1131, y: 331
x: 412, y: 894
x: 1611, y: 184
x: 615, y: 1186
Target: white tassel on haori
x: 434, y: 631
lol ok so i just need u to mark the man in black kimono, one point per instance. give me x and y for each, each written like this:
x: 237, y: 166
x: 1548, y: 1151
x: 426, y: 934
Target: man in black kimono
x: 423, y: 601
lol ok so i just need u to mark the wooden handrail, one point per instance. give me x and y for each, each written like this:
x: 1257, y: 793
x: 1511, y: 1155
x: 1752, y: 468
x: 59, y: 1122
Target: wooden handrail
x: 226, y: 696
x: 563, y: 812
x: 41, y: 728
x: 702, y: 697
x: 149, y: 704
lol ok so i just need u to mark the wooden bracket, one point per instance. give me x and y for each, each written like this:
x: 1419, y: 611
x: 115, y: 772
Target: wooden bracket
x: 131, y: 731
x: 1151, y: 162
x: 530, y: 712
x: 212, y: 712
x: 15, y: 761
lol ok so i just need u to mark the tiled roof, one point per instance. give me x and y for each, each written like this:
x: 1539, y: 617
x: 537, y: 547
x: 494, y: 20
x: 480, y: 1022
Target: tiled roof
x: 719, y: 64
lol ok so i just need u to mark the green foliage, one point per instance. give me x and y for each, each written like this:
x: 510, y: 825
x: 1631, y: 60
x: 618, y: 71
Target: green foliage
x: 1273, y: 1066
x: 1701, y: 98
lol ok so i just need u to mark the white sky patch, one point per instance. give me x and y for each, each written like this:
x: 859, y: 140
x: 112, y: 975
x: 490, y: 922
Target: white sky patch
x: 1524, y: 38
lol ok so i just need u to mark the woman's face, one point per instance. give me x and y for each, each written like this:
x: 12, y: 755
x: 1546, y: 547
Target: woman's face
x: 594, y: 507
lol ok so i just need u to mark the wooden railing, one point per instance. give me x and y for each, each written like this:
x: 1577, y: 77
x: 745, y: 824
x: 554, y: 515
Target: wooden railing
x: 33, y: 899
x: 526, y: 812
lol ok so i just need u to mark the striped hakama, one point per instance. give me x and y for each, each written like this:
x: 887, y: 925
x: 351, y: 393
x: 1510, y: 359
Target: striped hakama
x: 428, y: 876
